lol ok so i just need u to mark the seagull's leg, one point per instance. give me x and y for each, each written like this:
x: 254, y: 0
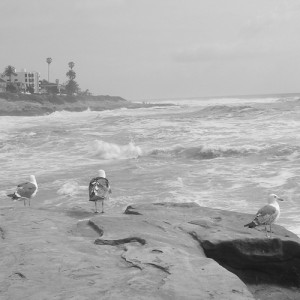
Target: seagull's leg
x: 102, y: 207
x: 96, y: 210
x: 266, y: 230
x: 29, y: 201
x: 270, y: 230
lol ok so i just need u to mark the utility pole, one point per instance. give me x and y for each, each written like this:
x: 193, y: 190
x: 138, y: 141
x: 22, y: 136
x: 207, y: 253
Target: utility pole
x: 48, y: 60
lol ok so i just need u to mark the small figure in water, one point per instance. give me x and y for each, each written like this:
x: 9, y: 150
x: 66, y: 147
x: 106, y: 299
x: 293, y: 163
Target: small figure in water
x: 99, y: 189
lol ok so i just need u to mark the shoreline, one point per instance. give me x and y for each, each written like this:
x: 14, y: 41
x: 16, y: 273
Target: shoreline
x: 38, y: 105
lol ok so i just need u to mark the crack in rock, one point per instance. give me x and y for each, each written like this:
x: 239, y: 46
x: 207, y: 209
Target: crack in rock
x: 19, y: 274
x: 120, y: 241
x: 129, y: 211
x: 156, y: 250
x: 164, y: 269
x: 132, y: 264
x: 95, y: 228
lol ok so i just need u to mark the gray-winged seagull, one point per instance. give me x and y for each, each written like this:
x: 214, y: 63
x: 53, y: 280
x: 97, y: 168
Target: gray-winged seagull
x: 267, y: 215
x: 26, y: 190
x: 99, y: 189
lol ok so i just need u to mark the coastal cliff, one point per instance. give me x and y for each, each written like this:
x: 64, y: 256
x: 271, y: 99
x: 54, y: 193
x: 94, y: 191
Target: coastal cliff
x: 151, y: 251
x: 35, y: 105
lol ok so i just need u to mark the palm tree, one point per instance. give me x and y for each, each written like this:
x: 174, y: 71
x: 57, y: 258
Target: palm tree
x: 49, y: 61
x: 71, y: 65
x: 72, y: 87
x: 9, y: 71
x: 71, y: 74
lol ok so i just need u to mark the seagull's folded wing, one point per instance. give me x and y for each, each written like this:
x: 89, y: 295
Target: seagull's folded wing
x: 266, y: 214
x: 26, y: 189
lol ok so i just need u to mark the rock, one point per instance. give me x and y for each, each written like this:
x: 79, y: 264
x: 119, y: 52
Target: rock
x: 168, y: 260
x: 12, y: 104
x: 152, y: 251
x: 257, y: 260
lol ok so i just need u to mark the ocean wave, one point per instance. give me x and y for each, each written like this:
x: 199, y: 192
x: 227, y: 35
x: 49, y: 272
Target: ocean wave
x: 226, y: 111
x: 105, y: 150
x: 210, y: 152
x: 201, y: 152
x: 68, y: 113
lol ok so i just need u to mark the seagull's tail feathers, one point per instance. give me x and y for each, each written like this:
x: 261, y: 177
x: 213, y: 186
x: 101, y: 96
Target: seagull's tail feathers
x: 251, y: 224
x: 14, y: 196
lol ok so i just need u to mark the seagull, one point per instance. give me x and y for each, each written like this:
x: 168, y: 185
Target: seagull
x: 267, y: 215
x: 26, y: 190
x: 99, y: 189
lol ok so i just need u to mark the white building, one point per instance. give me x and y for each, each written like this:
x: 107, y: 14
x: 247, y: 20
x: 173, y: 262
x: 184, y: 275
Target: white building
x: 25, y: 80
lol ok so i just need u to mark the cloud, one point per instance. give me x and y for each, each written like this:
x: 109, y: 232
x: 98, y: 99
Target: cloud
x: 268, y: 21
x: 220, y: 51
x: 271, y: 32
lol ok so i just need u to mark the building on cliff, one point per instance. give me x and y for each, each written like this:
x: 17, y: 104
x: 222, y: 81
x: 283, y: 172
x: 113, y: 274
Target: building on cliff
x: 25, y: 80
x: 2, y: 86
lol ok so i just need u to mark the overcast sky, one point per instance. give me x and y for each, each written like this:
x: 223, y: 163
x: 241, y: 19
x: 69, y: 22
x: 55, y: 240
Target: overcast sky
x: 145, y: 49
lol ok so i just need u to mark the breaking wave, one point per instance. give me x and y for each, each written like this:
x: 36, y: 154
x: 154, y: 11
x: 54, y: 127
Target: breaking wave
x: 226, y: 111
x: 106, y: 150
x: 67, y: 113
x: 210, y: 152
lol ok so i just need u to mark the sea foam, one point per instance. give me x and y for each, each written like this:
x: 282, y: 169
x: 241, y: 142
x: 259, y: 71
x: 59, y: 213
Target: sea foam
x: 71, y: 188
x: 105, y: 150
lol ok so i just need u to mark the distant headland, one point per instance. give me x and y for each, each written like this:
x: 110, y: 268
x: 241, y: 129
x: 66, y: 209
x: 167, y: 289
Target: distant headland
x: 18, y: 104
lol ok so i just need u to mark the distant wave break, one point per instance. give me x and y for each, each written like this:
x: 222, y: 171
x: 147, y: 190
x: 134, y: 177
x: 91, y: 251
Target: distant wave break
x: 210, y: 152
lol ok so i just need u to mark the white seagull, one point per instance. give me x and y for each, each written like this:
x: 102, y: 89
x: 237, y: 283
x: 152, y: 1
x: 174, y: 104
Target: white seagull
x: 99, y: 189
x: 267, y: 215
x: 26, y: 190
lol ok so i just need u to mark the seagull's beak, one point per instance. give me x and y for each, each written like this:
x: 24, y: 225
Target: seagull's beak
x: 280, y: 199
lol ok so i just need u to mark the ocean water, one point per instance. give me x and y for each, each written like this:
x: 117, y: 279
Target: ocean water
x: 226, y: 153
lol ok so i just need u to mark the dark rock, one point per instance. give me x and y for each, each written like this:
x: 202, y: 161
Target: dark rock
x: 130, y: 211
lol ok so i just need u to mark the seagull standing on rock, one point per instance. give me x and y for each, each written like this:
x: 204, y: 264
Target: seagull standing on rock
x: 99, y: 189
x: 267, y: 215
x: 26, y: 190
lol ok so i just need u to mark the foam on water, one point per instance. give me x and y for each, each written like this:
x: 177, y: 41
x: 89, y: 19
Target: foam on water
x: 209, y: 101
x: 274, y: 179
x: 223, y: 153
x: 106, y: 150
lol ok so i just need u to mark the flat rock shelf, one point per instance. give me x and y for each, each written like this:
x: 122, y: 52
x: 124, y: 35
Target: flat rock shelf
x: 151, y: 251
